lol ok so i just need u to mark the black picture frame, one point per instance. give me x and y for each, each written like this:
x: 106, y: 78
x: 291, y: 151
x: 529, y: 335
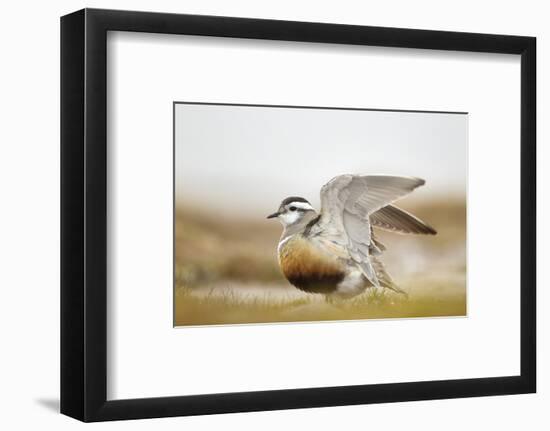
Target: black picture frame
x: 84, y: 214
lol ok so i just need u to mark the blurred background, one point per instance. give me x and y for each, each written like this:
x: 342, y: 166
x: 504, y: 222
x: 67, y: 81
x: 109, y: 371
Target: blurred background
x: 233, y: 166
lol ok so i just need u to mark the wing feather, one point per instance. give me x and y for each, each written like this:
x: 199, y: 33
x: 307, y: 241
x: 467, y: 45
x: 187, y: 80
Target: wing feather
x: 384, y: 277
x: 395, y: 219
x: 348, y: 201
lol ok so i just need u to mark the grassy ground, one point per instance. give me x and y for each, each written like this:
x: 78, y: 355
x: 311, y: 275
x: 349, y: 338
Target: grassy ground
x: 226, y: 272
x: 232, y: 307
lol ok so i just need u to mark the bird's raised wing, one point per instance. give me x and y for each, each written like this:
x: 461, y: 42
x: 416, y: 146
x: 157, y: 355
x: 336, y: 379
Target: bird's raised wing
x: 347, y: 202
x: 397, y: 220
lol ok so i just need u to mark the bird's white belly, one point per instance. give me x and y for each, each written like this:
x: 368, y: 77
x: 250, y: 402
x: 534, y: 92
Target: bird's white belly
x: 352, y: 285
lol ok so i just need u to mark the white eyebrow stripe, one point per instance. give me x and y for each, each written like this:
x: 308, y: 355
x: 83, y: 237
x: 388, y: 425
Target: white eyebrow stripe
x: 301, y: 205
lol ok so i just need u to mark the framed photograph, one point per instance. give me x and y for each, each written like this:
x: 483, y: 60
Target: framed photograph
x: 326, y: 261
x: 262, y: 215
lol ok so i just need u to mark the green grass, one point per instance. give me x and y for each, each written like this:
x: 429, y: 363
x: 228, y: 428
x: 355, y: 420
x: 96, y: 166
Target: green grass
x: 232, y: 307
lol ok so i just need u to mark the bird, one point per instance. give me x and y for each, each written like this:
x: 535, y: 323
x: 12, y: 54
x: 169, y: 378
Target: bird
x: 336, y: 252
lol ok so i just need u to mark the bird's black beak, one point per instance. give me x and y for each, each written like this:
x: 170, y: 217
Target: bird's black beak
x: 273, y: 215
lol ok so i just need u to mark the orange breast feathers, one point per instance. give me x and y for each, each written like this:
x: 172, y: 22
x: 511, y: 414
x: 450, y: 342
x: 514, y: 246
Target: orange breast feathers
x: 302, y: 260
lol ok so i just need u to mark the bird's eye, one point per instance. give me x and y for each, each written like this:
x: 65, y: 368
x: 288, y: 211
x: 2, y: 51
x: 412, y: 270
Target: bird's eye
x: 292, y: 208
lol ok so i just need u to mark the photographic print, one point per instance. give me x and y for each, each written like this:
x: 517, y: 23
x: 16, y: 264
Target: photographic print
x: 293, y: 214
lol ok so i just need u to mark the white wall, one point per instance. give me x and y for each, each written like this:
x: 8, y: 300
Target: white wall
x: 29, y: 232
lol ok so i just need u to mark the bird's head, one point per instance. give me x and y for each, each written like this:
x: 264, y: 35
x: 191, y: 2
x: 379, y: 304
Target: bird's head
x: 294, y: 211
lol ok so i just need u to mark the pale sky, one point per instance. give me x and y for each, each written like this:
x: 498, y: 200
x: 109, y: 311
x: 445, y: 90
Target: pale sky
x: 239, y: 158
